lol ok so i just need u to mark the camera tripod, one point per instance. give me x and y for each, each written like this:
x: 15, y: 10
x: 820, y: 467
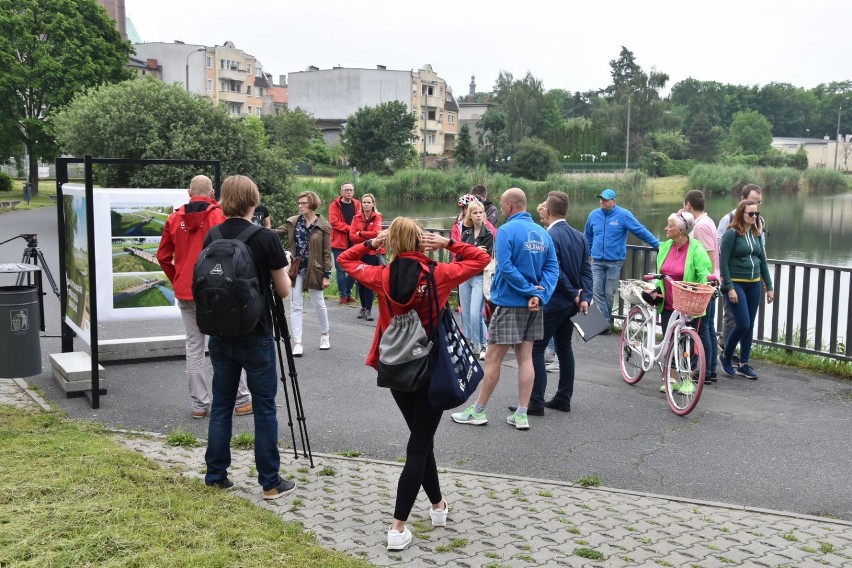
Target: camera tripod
x: 282, y: 335
x: 32, y: 255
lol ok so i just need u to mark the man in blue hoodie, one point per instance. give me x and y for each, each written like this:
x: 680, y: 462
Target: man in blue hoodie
x: 524, y: 279
x: 606, y: 233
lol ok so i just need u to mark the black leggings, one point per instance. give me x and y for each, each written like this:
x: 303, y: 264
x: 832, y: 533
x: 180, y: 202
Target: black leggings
x: 420, y: 469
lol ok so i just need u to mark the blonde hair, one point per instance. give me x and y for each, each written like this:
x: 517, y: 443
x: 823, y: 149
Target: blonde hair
x: 239, y: 196
x: 468, y: 222
x: 403, y: 236
x: 314, y: 200
x: 373, y: 197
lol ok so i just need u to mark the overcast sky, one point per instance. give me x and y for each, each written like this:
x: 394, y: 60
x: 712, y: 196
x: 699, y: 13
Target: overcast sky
x: 565, y: 43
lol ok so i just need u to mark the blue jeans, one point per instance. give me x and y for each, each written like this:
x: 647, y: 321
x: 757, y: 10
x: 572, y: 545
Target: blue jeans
x: 365, y: 294
x: 255, y: 354
x: 745, y: 312
x: 557, y: 326
x: 344, y: 281
x: 605, y: 275
x: 707, y: 333
x: 470, y: 300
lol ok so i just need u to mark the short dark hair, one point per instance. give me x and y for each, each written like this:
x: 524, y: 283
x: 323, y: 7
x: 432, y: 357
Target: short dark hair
x: 695, y: 198
x: 748, y: 188
x: 557, y: 203
x: 479, y: 190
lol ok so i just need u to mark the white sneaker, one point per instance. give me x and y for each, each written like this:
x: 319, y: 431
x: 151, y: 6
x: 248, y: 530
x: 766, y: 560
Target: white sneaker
x: 439, y: 517
x: 297, y: 350
x: 482, y: 353
x: 552, y: 367
x: 325, y: 342
x: 399, y: 540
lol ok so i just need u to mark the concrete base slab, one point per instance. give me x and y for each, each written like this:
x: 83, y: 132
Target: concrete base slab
x: 73, y: 371
x: 141, y: 348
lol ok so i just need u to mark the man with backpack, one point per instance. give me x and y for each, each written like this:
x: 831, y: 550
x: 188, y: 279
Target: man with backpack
x: 232, y: 282
x: 182, y: 240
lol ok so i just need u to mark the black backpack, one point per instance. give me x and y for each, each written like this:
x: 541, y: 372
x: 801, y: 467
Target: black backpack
x: 228, y: 298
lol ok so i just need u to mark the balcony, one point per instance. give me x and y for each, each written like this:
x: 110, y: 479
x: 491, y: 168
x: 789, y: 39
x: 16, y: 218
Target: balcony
x: 432, y: 101
x: 231, y: 96
x: 431, y: 125
x: 233, y: 74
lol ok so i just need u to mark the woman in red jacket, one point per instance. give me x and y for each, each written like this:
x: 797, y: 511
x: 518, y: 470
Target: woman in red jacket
x: 402, y: 283
x: 366, y: 225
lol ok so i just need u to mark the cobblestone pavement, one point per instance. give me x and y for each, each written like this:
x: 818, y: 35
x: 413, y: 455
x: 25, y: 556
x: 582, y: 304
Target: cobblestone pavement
x: 511, y: 521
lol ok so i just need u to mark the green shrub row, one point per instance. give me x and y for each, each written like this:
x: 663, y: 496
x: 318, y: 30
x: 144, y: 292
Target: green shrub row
x: 423, y: 185
x: 722, y: 180
x: 5, y: 182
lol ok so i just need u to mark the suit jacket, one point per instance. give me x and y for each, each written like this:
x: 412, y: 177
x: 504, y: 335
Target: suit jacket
x: 575, y: 271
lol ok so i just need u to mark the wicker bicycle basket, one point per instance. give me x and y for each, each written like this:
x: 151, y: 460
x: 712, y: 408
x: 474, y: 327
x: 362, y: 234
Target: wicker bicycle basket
x: 631, y: 291
x: 690, y: 298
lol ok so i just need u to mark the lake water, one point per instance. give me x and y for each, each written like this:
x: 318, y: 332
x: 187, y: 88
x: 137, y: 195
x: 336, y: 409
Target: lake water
x: 814, y: 229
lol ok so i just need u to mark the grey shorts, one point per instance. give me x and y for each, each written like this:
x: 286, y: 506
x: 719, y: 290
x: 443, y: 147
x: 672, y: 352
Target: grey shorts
x: 510, y: 326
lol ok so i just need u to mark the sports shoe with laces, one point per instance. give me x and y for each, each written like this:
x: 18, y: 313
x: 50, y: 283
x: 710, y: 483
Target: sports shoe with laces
x: 439, y: 516
x: 362, y: 313
x: 685, y: 387
x: 223, y: 484
x: 468, y: 416
x: 399, y: 540
x: 519, y: 422
x: 727, y: 366
x: 297, y: 350
x: 325, y: 342
x: 746, y: 371
x: 281, y: 489
x: 482, y: 353
x: 552, y: 367
x: 368, y: 316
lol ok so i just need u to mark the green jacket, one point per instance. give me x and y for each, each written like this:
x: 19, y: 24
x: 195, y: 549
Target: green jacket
x: 696, y: 269
x: 743, y: 258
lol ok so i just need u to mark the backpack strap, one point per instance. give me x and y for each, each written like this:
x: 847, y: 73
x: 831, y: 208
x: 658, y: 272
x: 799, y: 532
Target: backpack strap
x: 216, y: 233
x: 246, y: 233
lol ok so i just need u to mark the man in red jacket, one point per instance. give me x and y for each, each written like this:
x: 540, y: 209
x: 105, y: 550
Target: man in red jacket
x: 180, y: 245
x: 341, y: 211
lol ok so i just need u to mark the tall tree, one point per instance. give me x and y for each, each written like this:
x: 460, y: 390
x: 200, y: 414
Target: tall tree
x: 704, y: 139
x: 750, y: 133
x: 51, y: 50
x: 624, y: 71
x: 376, y: 134
x: 464, y: 152
x: 293, y: 131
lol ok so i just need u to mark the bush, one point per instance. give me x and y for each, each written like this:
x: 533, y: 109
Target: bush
x: 720, y: 180
x: 681, y: 167
x: 534, y: 159
x: 826, y: 181
x: 799, y: 160
x: 5, y: 182
x: 655, y: 164
x: 327, y: 170
x: 780, y: 179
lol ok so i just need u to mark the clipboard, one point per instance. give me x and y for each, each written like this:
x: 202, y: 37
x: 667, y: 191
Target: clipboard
x: 590, y: 324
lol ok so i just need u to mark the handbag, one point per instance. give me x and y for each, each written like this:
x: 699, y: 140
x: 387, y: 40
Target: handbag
x: 404, y: 353
x: 293, y: 270
x: 454, y: 370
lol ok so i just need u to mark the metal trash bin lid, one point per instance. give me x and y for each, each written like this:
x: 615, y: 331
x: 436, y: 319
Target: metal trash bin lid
x: 18, y: 267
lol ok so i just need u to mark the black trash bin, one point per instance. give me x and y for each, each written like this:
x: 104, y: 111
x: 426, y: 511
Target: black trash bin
x: 20, y: 347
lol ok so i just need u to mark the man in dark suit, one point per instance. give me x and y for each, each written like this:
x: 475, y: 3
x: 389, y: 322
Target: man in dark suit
x: 573, y: 293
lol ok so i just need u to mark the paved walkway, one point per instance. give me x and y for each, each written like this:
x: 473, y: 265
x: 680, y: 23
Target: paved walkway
x: 498, y: 520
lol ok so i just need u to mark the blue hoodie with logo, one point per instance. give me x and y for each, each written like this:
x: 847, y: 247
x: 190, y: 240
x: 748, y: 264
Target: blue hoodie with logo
x: 526, y: 258
x: 606, y: 232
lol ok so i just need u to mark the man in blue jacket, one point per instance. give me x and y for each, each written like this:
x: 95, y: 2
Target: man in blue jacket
x: 524, y: 280
x: 573, y: 293
x: 606, y: 233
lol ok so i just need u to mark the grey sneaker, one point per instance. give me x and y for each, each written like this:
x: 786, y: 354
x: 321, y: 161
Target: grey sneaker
x: 282, y: 489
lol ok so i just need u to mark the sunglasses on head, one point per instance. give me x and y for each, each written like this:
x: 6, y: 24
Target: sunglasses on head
x: 753, y: 213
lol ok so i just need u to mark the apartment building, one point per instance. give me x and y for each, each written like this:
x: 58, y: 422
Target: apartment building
x: 332, y: 95
x: 222, y: 73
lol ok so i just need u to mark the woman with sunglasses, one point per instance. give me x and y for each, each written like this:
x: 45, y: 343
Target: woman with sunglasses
x: 742, y: 263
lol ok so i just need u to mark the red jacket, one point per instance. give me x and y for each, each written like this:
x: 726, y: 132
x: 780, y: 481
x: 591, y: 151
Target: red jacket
x: 339, y: 227
x: 378, y: 279
x: 364, y: 229
x: 183, y: 239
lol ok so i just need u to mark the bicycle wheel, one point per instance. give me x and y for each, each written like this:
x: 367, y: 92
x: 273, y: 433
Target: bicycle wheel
x: 685, y: 372
x: 634, y: 337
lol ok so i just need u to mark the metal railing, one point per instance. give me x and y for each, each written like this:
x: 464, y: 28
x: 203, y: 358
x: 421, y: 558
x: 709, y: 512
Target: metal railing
x: 812, y: 312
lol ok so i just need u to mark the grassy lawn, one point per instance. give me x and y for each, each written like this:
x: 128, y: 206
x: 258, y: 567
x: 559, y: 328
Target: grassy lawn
x: 668, y: 185
x: 46, y: 188
x: 70, y: 496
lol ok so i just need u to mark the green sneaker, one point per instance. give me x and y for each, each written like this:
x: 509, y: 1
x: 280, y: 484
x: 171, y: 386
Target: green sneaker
x: 519, y: 422
x: 685, y: 387
x: 468, y: 416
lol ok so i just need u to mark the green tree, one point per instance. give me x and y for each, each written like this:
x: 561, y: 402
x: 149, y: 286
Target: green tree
x: 147, y: 118
x: 750, y: 133
x: 293, y: 131
x: 376, y: 134
x: 492, y: 133
x: 464, y: 152
x: 704, y: 139
x: 624, y: 71
x: 534, y: 159
x: 49, y: 51
x: 673, y: 144
x: 790, y: 109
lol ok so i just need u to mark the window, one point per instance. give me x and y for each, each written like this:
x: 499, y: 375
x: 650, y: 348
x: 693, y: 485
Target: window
x: 441, y: 117
x: 431, y: 115
x: 249, y: 109
x: 430, y: 139
x: 235, y: 108
x: 259, y: 112
x: 209, y: 62
x: 451, y: 118
x: 248, y: 68
x: 260, y: 91
x: 422, y: 116
x: 428, y: 90
x: 229, y: 86
x: 442, y: 92
x: 221, y: 64
x: 248, y: 90
x: 209, y: 85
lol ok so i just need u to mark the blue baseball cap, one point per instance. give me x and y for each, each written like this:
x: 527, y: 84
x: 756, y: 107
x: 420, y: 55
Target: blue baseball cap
x: 607, y: 194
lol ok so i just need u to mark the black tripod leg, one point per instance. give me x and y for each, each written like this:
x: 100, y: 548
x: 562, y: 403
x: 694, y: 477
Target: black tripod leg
x: 277, y: 330
x: 47, y: 273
